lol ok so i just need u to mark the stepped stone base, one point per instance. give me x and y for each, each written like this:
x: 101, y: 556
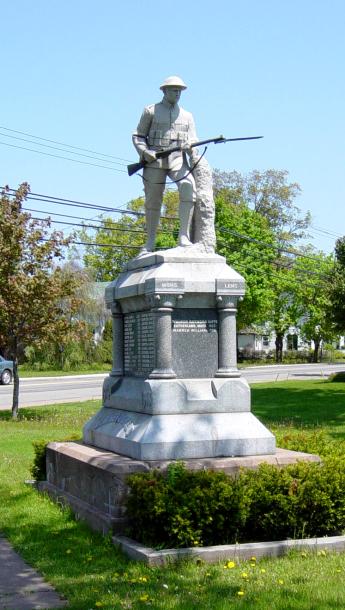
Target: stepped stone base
x: 175, y: 391
x: 178, y: 436
x: 93, y: 481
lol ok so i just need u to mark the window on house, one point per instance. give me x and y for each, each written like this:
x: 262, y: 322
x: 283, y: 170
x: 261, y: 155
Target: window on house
x: 265, y: 340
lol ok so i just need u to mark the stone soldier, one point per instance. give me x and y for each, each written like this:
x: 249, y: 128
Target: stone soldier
x: 161, y: 126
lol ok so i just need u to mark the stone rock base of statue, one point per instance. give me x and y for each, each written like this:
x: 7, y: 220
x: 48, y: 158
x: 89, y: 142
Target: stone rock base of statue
x: 175, y: 391
x: 93, y: 482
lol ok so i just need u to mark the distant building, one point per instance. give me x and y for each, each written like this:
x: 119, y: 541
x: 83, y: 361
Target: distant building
x: 262, y: 340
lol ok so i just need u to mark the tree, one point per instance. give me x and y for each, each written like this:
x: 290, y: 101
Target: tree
x: 285, y: 309
x: 114, y: 243
x: 81, y: 347
x: 247, y: 242
x: 337, y: 289
x: 33, y: 290
x: 316, y: 270
x: 118, y: 241
x: 271, y: 195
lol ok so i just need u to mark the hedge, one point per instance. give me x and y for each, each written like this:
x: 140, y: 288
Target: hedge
x: 183, y: 508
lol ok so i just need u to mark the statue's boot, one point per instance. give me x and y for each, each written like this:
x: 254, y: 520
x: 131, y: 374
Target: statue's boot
x: 152, y: 222
x: 186, y: 215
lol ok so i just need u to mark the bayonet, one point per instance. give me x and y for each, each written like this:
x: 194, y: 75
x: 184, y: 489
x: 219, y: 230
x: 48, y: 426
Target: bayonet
x: 163, y: 154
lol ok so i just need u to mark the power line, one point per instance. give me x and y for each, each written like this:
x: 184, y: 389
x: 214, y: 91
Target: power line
x: 98, y: 228
x: 76, y: 224
x: 114, y: 246
x: 288, y: 266
x: 51, y: 199
x: 246, y: 267
x: 128, y: 246
x: 142, y: 232
x: 271, y: 263
x: 40, y: 152
x: 59, y: 214
x: 164, y: 231
x: 68, y: 216
x: 85, y: 243
x: 23, y: 133
x: 272, y: 246
x: 73, y: 203
x: 79, y: 148
x: 319, y: 230
x: 71, y: 152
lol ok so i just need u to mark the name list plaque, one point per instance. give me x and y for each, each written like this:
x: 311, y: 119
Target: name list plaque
x: 195, y: 342
x: 139, y: 343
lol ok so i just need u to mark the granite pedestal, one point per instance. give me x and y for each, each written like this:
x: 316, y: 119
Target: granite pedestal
x: 93, y: 482
x: 175, y: 391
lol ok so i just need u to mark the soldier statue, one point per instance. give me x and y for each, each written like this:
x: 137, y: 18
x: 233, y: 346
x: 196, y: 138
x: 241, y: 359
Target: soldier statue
x: 162, y: 126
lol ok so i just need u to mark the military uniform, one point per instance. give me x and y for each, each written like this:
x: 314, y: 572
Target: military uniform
x: 164, y: 126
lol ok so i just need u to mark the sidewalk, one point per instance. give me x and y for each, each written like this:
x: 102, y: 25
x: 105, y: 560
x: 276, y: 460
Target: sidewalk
x: 21, y: 587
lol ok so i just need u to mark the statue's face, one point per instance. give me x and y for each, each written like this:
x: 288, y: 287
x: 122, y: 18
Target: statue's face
x: 172, y: 94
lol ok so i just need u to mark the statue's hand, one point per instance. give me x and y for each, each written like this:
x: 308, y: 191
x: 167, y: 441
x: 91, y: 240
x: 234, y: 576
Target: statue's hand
x: 149, y: 156
x: 186, y: 147
x: 194, y: 155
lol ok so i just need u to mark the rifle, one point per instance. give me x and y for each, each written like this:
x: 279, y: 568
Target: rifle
x: 162, y: 154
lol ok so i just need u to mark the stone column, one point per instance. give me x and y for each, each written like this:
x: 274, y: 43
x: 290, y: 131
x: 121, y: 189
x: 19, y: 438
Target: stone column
x: 162, y: 310
x: 227, y: 344
x: 118, y: 360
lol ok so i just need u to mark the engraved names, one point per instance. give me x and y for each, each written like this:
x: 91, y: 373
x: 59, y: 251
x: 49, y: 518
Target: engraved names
x: 139, y: 343
x: 195, y: 342
x: 195, y: 326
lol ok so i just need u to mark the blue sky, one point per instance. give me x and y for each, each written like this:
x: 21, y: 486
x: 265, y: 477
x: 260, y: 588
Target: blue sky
x: 80, y: 72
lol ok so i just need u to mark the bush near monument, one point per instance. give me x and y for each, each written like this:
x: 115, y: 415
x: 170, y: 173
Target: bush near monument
x: 185, y: 508
x: 299, y: 501
x: 337, y: 377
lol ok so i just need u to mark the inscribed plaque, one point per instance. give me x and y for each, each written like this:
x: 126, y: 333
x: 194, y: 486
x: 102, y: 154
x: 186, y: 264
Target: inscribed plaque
x: 139, y: 343
x: 195, y: 342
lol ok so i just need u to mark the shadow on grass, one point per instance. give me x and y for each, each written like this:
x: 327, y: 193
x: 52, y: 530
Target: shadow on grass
x: 49, y: 412
x: 317, y: 403
x: 37, y: 414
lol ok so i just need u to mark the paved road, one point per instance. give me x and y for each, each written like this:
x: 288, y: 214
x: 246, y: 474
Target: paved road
x: 257, y: 374
x: 49, y: 390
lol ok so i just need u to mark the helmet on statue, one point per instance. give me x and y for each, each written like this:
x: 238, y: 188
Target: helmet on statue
x: 173, y: 81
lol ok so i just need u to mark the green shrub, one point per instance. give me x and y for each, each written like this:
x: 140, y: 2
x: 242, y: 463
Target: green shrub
x: 310, y: 440
x: 292, y: 355
x: 302, y: 500
x: 337, y: 377
x: 38, y: 469
x: 184, y: 508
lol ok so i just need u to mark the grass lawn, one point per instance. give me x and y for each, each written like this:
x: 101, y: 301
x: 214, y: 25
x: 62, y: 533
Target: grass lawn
x: 85, y: 370
x: 92, y: 574
x: 303, y: 410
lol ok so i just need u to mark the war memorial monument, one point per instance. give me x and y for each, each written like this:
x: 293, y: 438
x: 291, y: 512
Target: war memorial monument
x: 174, y: 392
